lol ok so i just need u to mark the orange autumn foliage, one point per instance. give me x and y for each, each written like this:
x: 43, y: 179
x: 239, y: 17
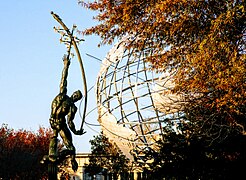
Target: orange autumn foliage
x: 202, y: 41
x: 21, y: 152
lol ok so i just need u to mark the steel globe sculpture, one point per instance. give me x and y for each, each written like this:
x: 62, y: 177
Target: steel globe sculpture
x: 133, y: 101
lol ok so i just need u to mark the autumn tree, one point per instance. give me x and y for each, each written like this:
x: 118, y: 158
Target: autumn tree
x: 202, y: 43
x: 105, y: 156
x: 21, y: 152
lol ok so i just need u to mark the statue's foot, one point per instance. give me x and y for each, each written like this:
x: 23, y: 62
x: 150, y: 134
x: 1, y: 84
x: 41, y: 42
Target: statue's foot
x: 52, y: 158
x: 74, y: 165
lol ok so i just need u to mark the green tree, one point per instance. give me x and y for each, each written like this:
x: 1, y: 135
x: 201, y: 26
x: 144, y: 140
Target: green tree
x: 203, y: 42
x: 21, y: 152
x: 106, y: 156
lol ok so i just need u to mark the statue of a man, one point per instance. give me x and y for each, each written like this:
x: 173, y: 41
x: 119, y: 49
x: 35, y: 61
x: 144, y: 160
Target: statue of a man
x: 63, y: 107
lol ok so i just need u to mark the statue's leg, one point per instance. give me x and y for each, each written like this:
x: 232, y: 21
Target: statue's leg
x: 67, y: 140
x: 53, y: 147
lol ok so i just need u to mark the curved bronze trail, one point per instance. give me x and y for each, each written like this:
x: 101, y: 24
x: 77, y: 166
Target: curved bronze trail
x: 59, y: 20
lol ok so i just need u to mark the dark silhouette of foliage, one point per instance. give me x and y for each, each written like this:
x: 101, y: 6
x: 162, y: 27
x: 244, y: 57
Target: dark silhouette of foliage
x: 181, y: 156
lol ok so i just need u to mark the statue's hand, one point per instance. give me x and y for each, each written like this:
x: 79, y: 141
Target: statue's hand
x: 79, y: 132
x: 66, y: 61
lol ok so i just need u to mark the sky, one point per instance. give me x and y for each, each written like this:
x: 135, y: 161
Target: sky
x: 31, y: 63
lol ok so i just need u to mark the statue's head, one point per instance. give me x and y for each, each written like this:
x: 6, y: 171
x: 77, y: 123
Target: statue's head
x: 77, y: 95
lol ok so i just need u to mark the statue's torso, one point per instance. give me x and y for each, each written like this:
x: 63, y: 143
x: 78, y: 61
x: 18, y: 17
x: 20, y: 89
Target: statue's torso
x: 61, y: 106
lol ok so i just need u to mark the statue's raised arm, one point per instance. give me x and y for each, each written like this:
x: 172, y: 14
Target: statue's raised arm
x: 63, y: 84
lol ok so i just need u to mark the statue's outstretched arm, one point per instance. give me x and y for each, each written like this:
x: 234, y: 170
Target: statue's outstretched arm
x: 63, y: 85
x: 70, y: 118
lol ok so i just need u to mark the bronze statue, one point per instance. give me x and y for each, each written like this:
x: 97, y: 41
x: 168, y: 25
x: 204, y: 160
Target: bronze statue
x: 63, y: 106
